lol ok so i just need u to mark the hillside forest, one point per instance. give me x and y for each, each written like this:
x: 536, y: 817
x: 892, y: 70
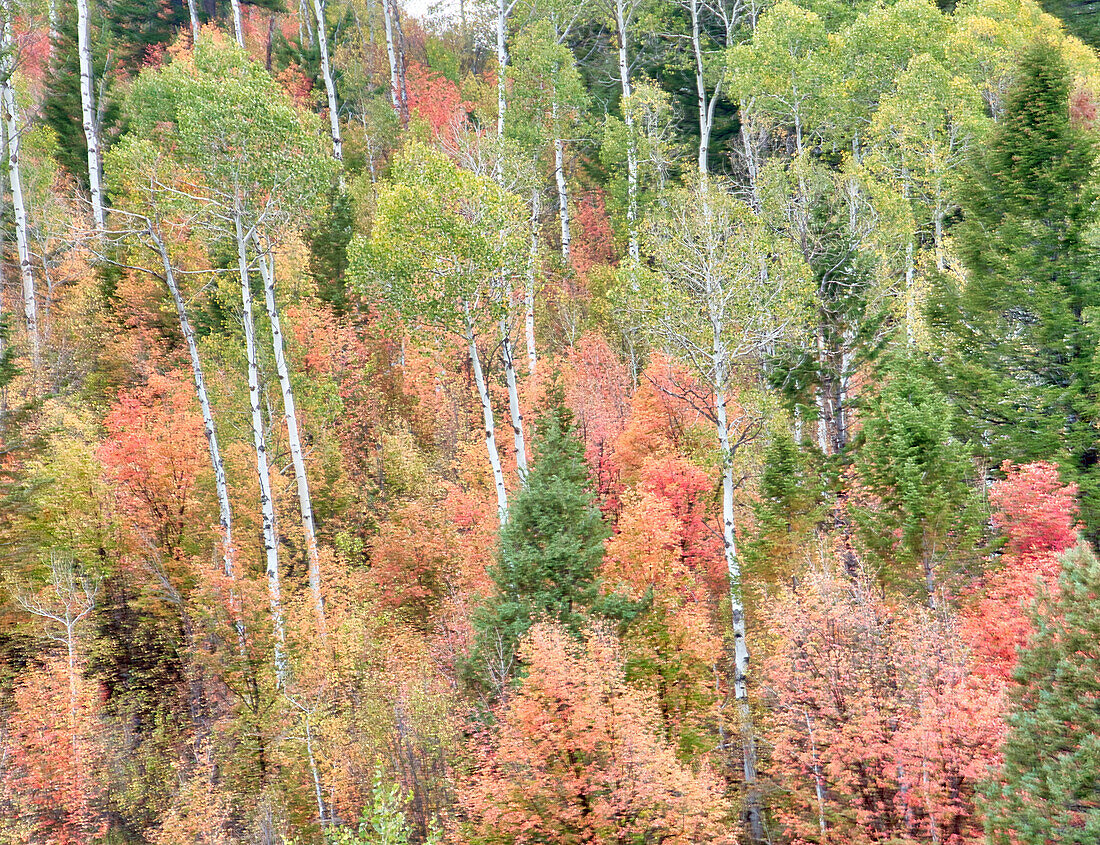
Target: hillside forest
x: 549, y: 422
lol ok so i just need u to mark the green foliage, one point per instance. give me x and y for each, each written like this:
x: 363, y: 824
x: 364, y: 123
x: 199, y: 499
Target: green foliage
x: 441, y: 239
x: 1048, y: 789
x: 1021, y: 332
x: 382, y: 822
x: 550, y: 549
x: 926, y: 512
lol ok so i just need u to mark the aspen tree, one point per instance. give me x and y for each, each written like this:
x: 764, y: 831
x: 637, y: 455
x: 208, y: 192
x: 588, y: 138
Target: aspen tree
x: 722, y: 293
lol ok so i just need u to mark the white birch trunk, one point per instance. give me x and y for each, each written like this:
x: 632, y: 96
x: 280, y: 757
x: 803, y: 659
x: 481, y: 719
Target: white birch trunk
x: 514, y: 409
x: 19, y: 209
x: 330, y: 85
x: 737, y: 607
x: 532, y: 278
x: 238, y: 26
x: 391, y: 54
x: 193, y: 13
x: 88, y: 111
x: 563, y: 192
x: 487, y: 415
x: 502, y: 64
x: 305, y: 504
x: 705, y: 113
x: 631, y: 135
x: 267, y: 504
x: 221, y: 486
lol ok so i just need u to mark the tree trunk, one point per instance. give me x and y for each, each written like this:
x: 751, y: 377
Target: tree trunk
x: 391, y: 54
x: 221, y: 486
x: 194, y: 16
x: 88, y: 111
x: 238, y: 26
x: 330, y: 85
x: 737, y: 606
x: 487, y: 415
x: 705, y: 113
x: 502, y: 64
x: 532, y: 279
x: 631, y: 136
x: 514, y: 409
x: 267, y: 504
x: 563, y: 192
x: 305, y: 504
x: 19, y: 210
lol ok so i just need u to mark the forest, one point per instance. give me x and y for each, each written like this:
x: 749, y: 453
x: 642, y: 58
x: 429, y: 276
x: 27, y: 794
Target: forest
x: 549, y: 422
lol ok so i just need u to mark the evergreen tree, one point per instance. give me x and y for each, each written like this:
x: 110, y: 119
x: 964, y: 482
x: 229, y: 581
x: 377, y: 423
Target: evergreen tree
x: 1021, y: 340
x: 550, y: 548
x: 925, y: 511
x: 1048, y: 789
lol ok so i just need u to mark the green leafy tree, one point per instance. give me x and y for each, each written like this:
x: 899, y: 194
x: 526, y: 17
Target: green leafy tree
x: 1019, y: 359
x: 1048, y: 789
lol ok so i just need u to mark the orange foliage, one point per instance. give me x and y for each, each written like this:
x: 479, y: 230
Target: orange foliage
x: 436, y: 100
x: 576, y: 759
x: 52, y: 773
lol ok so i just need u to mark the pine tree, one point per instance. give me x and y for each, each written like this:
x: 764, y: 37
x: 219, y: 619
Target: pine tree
x: 924, y: 511
x: 1048, y: 789
x: 1020, y: 352
x: 550, y: 549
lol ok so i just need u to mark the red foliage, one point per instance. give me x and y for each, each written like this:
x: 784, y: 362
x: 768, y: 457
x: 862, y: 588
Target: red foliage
x: 597, y: 391
x: 154, y: 452
x: 576, y: 759
x: 1037, y: 515
x: 51, y: 773
x: 593, y: 242
x: 659, y: 416
x: 436, y: 99
x: 881, y: 732
x: 689, y: 492
x: 1083, y: 108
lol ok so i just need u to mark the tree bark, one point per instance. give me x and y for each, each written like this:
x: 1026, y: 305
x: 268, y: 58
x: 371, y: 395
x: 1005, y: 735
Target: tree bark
x: 514, y: 409
x: 631, y: 135
x: 259, y: 439
x: 737, y: 607
x: 194, y: 16
x: 238, y: 26
x: 305, y: 504
x: 532, y: 279
x: 88, y: 112
x: 487, y: 416
x: 391, y: 54
x: 19, y: 209
x: 330, y: 85
x: 563, y: 192
x: 502, y: 64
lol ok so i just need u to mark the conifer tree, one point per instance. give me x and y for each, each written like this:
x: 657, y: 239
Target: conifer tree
x: 1021, y: 347
x: 551, y: 547
x: 1048, y: 789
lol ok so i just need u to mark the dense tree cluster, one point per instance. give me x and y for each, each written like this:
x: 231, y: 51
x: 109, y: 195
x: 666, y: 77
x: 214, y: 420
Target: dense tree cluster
x: 567, y: 421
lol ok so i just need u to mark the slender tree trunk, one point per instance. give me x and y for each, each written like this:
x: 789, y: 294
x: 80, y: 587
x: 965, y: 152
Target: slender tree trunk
x: 330, y: 85
x: 487, y: 415
x: 238, y: 26
x: 514, y: 410
x: 267, y: 504
x: 737, y: 606
x: 221, y: 486
x: 88, y: 111
x: 502, y: 64
x: 631, y: 134
x: 194, y: 15
x: 563, y: 192
x: 391, y: 54
x: 705, y: 113
x: 752, y: 165
x: 19, y: 210
x: 532, y: 278
x: 305, y: 504
x: 819, y: 779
